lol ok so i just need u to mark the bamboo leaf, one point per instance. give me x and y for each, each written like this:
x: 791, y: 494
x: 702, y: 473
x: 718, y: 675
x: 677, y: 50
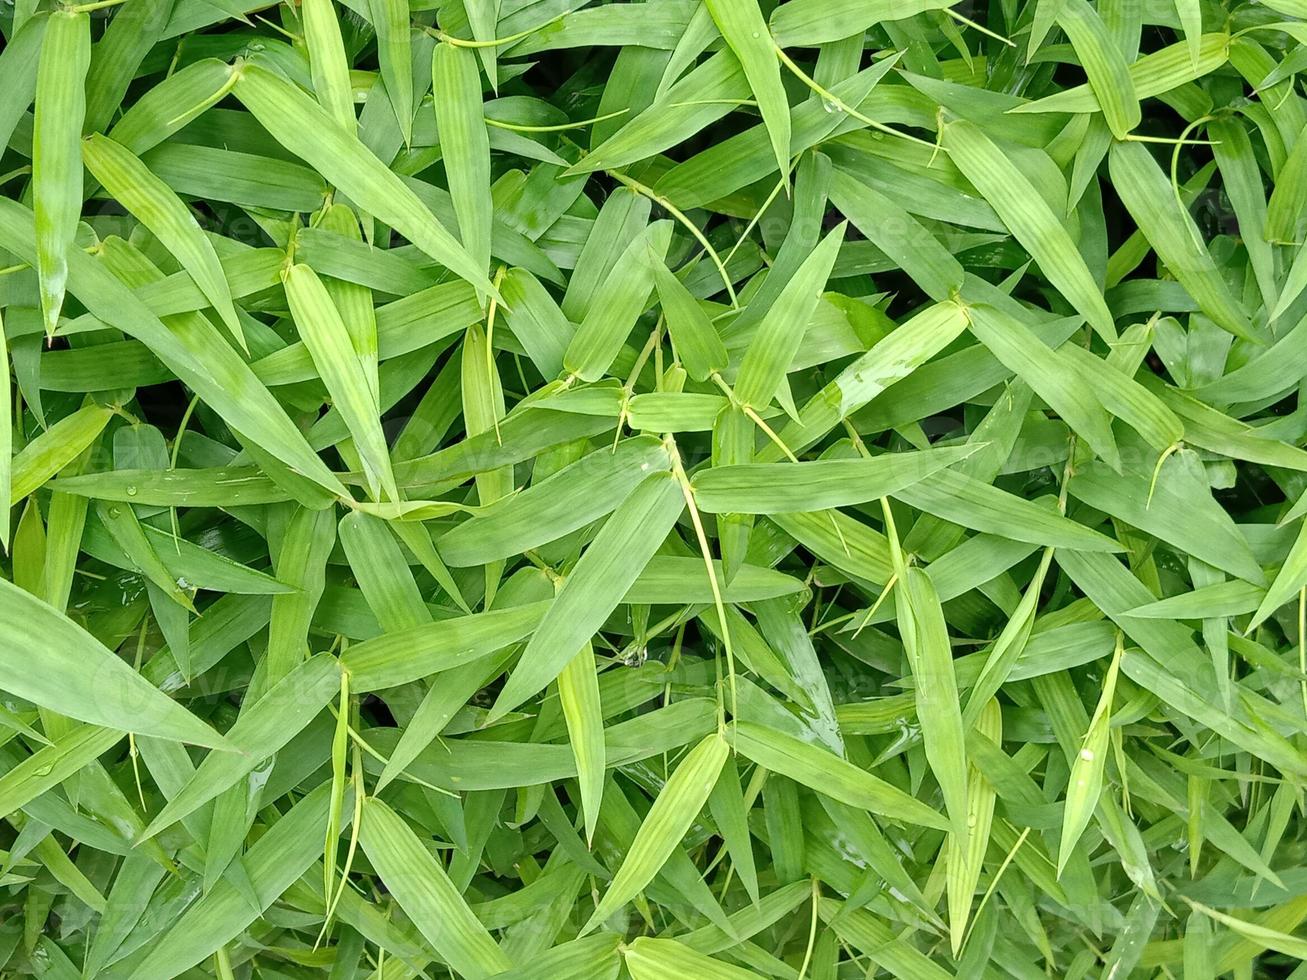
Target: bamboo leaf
x: 930, y: 655
x: 328, y: 62
x: 1172, y: 233
x: 1086, y: 779
x: 424, y: 891
x: 56, y: 153
x: 578, y: 693
x: 609, y: 566
x: 828, y: 774
x: 264, y: 727
x: 80, y: 678
x: 772, y: 349
x: 770, y: 488
x: 160, y: 210
x: 679, y: 802
x: 1108, y: 74
x: 464, y: 145
x: 390, y: 20
x: 1029, y: 218
x: 304, y: 128
x: 746, y: 33
x: 325, y: 335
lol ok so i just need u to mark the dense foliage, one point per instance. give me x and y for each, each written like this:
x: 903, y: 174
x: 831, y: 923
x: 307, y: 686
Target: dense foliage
x: 690, y: 488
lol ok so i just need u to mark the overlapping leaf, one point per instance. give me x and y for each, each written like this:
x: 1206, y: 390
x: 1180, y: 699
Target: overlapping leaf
x: 528, y: 490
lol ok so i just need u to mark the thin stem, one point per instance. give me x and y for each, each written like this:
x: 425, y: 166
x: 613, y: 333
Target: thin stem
x: 830, y: 98
x: 812, y: 929
x: 688, y: 492
x: 755, y: 417
x: 1169, y: 140
x: 1302, y: 644
x: 1157, y: 472
x: 360, y: 741
x: 211, y: 100
x: 561, y: 127
x: 979, y: 27
x: 993, y: 883
x: 880, y: 599
x: 1175, y: 163
x: 491, y: 377
x: 892, y: 533
x: 690, y: 102
x: 775, y: 192
x: 494, y: 42
x: 690, y: 226
x: 222, y: 964
x: 83, y: 8
x: 655, y: 337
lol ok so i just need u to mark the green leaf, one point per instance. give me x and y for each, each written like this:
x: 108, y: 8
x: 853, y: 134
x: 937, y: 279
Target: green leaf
x: 1066, y: 387
x: 1172, y: 233
x: 1031, y: 221
x: 1108, y: 74
x: 419, y: 651
x: 304, y: 128
x: 966, y: 855
x: 390, y: 20
x: 930, y: 656
x: 464, y: 145
x: 262, y: 728
x: 810, y: 22
x: 82, y: 679
x: 578, y: 693
x: 887, y: 362
x: 563, y: 502
x: 697, y: 342
x: 774, y: 344
x: 746, y: 33
x: 596, y: 585
x: 328, y: 61
x: 771, y: 488
x: 828, y: 774
x: 678, y: 803
x: 617, y: 304
x: 1086, y: 780
x: 329, y: 343
x: 56, y: 152
x: 271, y: 865
x: 955, y: 497
x: 649, y: 958
x: 423, y: 890
x: 189, y: 346
x: 161, y: 211
x: 1175, y: 505
x: 53, y: 450
x: 50, y: 765
x: 1288, y: 582
x: 6, y: 441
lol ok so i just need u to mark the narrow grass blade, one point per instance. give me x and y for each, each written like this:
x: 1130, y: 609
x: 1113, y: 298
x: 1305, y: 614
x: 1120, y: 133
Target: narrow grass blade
x: 328, y: 339
x: 578, y: 693
x: 1170, y: 230
x: 305, y: 128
